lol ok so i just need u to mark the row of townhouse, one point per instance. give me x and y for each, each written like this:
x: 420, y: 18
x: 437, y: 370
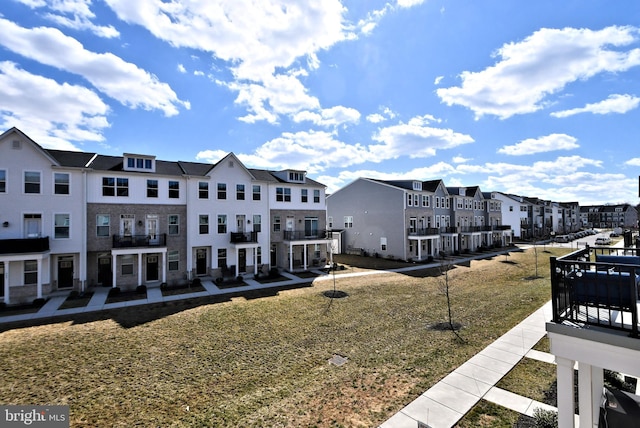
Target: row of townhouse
x: 533, y: 218
x: 72, y: 220
x: 415, y: 220
x: 609, y: 216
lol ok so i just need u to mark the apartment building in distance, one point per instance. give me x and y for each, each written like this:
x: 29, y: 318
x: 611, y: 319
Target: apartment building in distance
x: 74, y: 220
x: 415, y: 220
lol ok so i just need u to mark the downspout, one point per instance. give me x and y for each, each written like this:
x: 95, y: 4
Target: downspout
x: 83, y: 250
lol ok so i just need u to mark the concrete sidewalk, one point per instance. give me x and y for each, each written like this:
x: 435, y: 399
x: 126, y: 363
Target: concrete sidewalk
x: 445, y: 403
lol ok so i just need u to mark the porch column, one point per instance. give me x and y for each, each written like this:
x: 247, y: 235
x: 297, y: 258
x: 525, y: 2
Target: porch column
x: 290, y: 257
x: 6, y: 283
x: 39, y: 282
x: 590, y: 382
x: 237, y: 262
x: 304, y: 255
x: 139, y: 268
x: 255, y: 260
x: 564, y: 372
x: 114, y: 258
x: 164, y: 266
x: 419, y: 249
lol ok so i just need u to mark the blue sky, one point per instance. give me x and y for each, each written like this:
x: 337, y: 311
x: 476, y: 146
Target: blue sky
x: 537, y: 98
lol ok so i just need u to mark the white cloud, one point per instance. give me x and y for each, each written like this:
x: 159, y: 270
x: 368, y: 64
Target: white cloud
x: 181, y: 68
x: 32, y: 103
x: 198, y: 73
x: 543, y: 144
x: 109, y: 74
x: 415, y: 139
x: 333, y: 116
x: 74, y: 14
x: 540, y: 65
x: 633, y: 162
x: 211, y: 156
x: 460, y: 159
x: 615, y: 103
x: 376, y: 118
x: 409, y: 3
x: 437, y: 80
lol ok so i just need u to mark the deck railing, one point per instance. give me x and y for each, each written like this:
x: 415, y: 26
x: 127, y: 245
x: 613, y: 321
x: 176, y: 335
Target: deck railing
x: 588, y: 292
x: 23, y: 246
x: 301, y: 235
x: 428, y: 231
x: 125, y: 241
x: 239, y: 237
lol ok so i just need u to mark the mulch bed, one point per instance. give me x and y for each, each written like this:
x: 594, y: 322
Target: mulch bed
x: 126, y: 296
x: 182, y: 289
x: 78, y: 301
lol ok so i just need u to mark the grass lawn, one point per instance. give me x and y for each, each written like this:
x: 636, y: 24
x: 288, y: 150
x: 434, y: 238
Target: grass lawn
x: 264, y: 361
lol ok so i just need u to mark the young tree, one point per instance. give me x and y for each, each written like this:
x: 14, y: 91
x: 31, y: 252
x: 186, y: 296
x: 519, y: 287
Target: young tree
x: 445, y: 288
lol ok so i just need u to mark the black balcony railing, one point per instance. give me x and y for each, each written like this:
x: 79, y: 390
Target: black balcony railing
x: 301, y: 235
x: 470, y: 229
x: 23, y: 246
x: 125, y: 241
x: 599, y: 289
x: 449, y: 229
x: 428, y: 231
x: 239, y: 237
x: 501, y: 227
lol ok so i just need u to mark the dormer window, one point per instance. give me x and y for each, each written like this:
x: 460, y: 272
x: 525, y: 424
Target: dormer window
x: 417, y: 185
x: 139, y: 163
x: 296, y: 176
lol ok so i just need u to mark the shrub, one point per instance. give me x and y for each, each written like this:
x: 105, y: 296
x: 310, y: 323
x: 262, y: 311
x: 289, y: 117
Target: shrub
x: 74, y: 294
x: 273, y: 272
x: 219, y: 280
x: 545, y: 418
x: 39, y: 302
x: 114, y: 291
x: 3, y: 305
x: 197, y: 282
x: 430, y: 259
x: 141, y: 289
x: 164, y: 286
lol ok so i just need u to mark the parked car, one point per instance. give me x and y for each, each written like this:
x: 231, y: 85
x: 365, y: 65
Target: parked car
x: 562, y: 238
x: 603, y: 240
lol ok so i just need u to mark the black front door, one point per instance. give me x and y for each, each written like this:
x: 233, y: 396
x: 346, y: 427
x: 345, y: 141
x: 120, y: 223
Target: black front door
x: 242, y: 260
x: 104, y: 271
x: 201, y: 261
x: 65, y: 273
x: 152, y: 268
x: 274, y: 258
x: 2, y: 279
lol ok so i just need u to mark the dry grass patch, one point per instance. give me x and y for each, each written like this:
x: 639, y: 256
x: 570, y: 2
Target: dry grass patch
x: 263, y: 362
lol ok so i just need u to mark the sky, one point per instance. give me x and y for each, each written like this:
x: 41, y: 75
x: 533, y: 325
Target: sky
x: 534, y: 98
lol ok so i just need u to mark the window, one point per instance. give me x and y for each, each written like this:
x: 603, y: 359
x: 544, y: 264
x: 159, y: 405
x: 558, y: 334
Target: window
x: 222, y: 257
x: 425, y: 200
x: 61, y: 226
x: 240, y: 192
x: 348, y: 221
x: 138, y: 163
x: 383, y: 244
x: 30, y: 272
x: 256, y: 192
x: 61, y: 183
x: 174, y: 189
x: 3, y: 181
x: 122, y: 187
x: 222, y: 223
x: 203, y: 190
x: 330, y: 221
x: 304, y: 195
x: 173, y: 260
x: 276, y: 223
x: 203, y: 221
x: 310, y: 226
x: 174, y: 224
x: 108, y: 186
x: 127, y: 264
x: 316, y: 196
x: 222, y: 191
x: 437, y: 202
x: 415, y: 200
x: 152, y: 188
x: 283, y: 194
x: 259, y: 255
x: 115, y: 187
x: 102, y: 225
x: 296, y: 176
x: 31, y: 182
x: 257, y: 223
x: 409, y: 200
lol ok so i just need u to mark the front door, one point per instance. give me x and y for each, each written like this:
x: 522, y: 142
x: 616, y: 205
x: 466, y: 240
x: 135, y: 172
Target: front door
x: 274, y: 255
x: 201, y: 261
x: 33, y: 225
x: 152, y: 268
x: 65, y: 272
x: 104, y: 271
x: 242, y: 259
x: 126, y: 224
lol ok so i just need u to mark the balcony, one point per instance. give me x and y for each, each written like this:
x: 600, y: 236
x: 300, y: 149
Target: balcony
x: 130, y: 241
x: 24, y: 246
x: 301, y: 235
x: 597, y: 287
x: 448, y: 230
x: 240, y: 237
x: 501, y: 227
x: 429, y: 231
